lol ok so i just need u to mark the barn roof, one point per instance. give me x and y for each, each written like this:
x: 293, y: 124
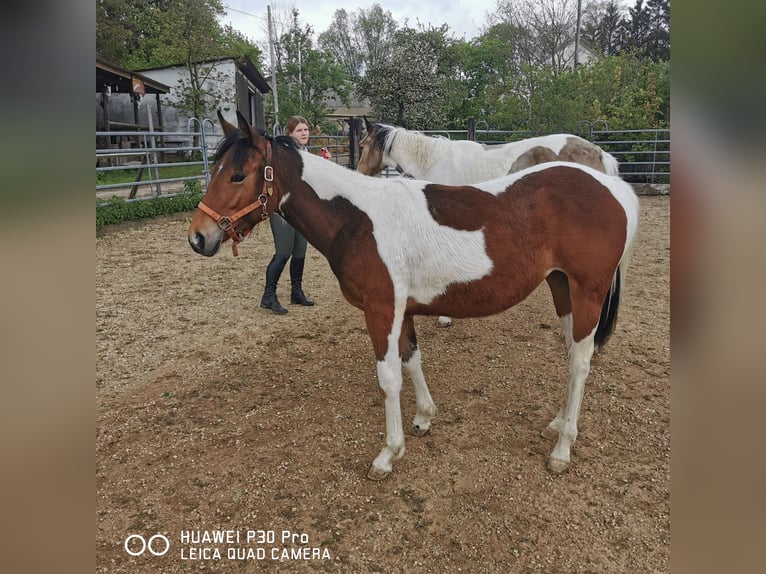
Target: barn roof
x: 121, y: 80
x: 244, y: 64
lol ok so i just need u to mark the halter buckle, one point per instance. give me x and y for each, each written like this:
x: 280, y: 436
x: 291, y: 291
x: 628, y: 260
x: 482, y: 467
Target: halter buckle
x: 225, y: 223
x: 268, y: 173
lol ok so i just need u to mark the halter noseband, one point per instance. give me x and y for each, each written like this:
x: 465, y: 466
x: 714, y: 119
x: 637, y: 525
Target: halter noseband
x: 226, y: 223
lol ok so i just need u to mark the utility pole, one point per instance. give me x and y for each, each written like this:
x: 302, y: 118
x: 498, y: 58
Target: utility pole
x: 273, y: 67
x: 300, y: 72
x: 577, y: 34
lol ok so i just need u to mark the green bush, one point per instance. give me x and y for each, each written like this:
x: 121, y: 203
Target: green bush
x: 117, y: 210
x: 192, y: 186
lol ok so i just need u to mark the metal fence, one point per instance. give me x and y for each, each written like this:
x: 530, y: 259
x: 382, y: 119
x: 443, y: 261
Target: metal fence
x: 644, y: 155
x: 144, y: 159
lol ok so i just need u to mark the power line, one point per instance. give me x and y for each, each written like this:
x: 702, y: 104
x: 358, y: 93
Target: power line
x: 245, y: 13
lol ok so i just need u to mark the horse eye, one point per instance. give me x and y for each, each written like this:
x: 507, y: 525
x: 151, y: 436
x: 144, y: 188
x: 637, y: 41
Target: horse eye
x: 238, y: 178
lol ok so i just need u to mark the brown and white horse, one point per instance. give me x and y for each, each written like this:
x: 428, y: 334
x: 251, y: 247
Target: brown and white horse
x: 463, y: 162
x: 404, y: 247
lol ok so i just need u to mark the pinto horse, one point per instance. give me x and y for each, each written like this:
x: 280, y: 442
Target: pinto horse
x: 463, y: 162
x: 402, y: 247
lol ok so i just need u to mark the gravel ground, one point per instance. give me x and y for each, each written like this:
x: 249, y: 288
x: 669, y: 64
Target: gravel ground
x: 214, y: 415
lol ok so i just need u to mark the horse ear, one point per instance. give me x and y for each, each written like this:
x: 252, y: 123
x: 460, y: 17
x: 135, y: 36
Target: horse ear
x: 367, y: 125
x: 228, y: 129
x: 245, y: 131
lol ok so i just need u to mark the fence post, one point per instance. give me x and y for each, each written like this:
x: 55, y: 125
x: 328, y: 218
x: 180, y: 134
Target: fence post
x: 354, y: 138
x: 205, y: 161
x: 471, y: 129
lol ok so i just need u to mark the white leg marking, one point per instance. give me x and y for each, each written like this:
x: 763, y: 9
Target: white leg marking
x: 443, y: 321
x: 390, y: 381
x: 554, y: 427
x: 580, y: 354
x: 425, y: 404
x: 566, y: 327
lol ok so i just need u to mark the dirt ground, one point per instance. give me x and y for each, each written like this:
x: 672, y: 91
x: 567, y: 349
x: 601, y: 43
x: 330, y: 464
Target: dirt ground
x: 214, y: 415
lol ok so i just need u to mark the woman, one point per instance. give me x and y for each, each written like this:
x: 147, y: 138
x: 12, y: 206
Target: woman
x: 288, y: 243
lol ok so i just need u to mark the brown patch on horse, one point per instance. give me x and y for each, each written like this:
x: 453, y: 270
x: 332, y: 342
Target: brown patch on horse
x: 559, y: 286
x: 534, y: 156
x: 575, y: 150
x: 558, y: 218
x: 583, y: 152
x: 364, y: 281
x: 408, y: 341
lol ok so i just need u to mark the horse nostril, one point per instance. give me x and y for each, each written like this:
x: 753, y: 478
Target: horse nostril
x: 197, y: 241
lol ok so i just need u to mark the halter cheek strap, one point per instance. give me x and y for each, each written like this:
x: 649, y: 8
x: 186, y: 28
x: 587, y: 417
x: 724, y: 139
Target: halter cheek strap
x: 226, y: 223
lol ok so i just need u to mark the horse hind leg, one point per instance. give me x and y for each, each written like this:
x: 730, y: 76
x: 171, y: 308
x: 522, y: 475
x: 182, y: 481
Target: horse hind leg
x: 411, y: 359
x: 579, y: 368
x: 559, y: 286
x: 585, y: 321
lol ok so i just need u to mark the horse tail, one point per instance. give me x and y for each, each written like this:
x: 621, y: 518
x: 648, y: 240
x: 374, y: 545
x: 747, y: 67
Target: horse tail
x: 610, y: 163
x: 608, y: 319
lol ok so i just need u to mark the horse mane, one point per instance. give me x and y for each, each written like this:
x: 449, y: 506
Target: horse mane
x: 422, y: 149
x: 241, y: 146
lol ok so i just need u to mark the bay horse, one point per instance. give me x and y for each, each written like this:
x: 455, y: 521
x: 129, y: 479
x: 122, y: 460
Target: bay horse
x: 464, y: 162
x: 402, y: 247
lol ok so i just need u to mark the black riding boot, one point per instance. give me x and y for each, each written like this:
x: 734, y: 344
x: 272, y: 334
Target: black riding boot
x: 273, y: 271
x: 297, y: 296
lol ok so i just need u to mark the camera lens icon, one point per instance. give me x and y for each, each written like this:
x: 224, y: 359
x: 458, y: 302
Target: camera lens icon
x: 143, y: 545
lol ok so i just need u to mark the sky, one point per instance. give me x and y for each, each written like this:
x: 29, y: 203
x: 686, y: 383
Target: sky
x: 464, y: 17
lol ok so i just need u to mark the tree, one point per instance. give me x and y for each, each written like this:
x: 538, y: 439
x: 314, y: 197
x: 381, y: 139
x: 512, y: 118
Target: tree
x: 127, y: 31
x: 602, y: 27
x: 234, y: 43
x: 487, y: 66
x: 411, y: 88
x: 360, y: 41
x: 193, y: 38
x: 547, y: 28
x: 658, y: 42
x: 341, y: 42
x: 647, y: 30
x: 307, y: 77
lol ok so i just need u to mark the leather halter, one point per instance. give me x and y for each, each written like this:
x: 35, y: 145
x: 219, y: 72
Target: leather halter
x: 226, y: 223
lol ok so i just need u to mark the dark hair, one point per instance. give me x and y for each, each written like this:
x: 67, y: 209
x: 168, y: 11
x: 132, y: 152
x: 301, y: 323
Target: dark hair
x: 293, y: 122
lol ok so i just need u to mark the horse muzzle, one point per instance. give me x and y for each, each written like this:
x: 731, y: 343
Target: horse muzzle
x: 204, y: 234
x: 205, y: 244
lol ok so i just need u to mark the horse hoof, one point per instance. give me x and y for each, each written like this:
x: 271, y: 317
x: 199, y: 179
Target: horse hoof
x: 376, y: 473
x: 419, y: 431
x: 549, y: 433
x: 557, y: 466
x: 444, y: 321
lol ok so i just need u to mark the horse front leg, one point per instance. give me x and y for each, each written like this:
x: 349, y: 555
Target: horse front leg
x: 411, y: 359
x: 384, y: 332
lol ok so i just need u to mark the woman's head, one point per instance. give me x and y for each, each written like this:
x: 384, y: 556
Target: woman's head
x: 298, y: 128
